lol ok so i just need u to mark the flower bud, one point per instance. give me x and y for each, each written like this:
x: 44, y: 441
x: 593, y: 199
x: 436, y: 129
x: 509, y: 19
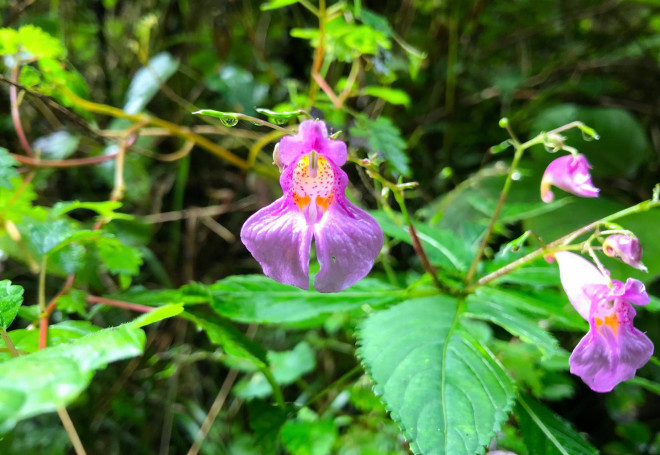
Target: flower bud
x: 626, y: 248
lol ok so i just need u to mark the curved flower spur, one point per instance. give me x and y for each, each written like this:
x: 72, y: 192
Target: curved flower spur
x: 313, y: 205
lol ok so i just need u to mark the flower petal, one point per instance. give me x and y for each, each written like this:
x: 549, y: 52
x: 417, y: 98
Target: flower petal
x: 576, y: 273
x: 348, y: 241
x: 626, y: 248
x: 635, y: 292
x: 604, y: 358
x: 312, y: 135
x: 571, y: 174
x: 280, y: 240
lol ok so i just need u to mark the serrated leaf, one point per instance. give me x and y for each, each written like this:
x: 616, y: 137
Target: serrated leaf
x: 256, y: 298
x: 8, y: 41
x: 147, y: 81
x: 447, y: 391
x: 27, y: 340
x: 391, y: 95
x: 384, y: 138
x: 545, y: 433
x: 55, y: 376
x: 7, y: 168
x: 39, y: 43
x: 225, y: 334
x: 49, y: 235
x: 517, y: 324
x: 442, y: 246
x: 11, y: 298
x: 276, y: 4
x: 309, y: 438
x: 117, y: 257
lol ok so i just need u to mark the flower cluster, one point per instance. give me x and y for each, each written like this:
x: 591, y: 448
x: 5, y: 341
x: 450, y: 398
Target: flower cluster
x: 313, y: 206
x: 613, y: 349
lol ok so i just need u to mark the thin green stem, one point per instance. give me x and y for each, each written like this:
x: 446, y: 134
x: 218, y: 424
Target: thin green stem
x: 277, y: 391
x: 340, y: 381
x: 560, y: 243
x: 311, y: 8
x: 67, y: 423
x: 10, y: 344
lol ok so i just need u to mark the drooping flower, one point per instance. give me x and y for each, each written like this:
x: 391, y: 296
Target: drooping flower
x: 313, y: 206
x: 570, y: 173
x: 626, y: 248
x: 613, y: 349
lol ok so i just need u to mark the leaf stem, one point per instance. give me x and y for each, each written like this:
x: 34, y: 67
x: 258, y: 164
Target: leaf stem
x: 318, y: 53
x: 67, y: 423
x: 74, y: 162
x: 277, y: 391
x: 10, y: 344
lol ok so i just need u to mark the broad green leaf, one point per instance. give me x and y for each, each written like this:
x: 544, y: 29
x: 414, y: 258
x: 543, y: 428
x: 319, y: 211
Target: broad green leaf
x: 7, y: 169
x: 64, y: 332
x: 55, y: 376
x: 256, y: 298
x: 147, y: 81
x: 545, y: 433
x: 241, y: 92
x: 56, y: 146
x: 517, y: 324
x: 287, y: 367
x: 447, y: 391
x: 391, y: 95
x: 308, y: 438
x: 225, y: 334
x: 266, y: 421
x: 442, y: 246
x: 49, y: 235
x: 8, y: 41
x: 384, y: 138
x: 11, y: 298
x: 276, y: 4
x: 548, y: 304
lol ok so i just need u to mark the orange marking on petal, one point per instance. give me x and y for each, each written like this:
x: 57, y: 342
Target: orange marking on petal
x: 325, y: 202
x: 611, y: 321
x: 301, y: 201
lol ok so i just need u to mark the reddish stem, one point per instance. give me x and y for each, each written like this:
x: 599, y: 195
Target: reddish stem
x: 15, y: 114
x: 119, y: 304
x: 63, y: 163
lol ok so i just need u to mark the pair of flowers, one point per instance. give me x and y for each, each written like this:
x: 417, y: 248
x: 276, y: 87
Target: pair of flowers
x: 613, y: 349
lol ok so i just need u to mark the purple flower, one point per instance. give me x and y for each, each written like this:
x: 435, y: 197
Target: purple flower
x: 613, y: 349
x: 313, y: 206
x: 626, y: 248
x: 570, y: 173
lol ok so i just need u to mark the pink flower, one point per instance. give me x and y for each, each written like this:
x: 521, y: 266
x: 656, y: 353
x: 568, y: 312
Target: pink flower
x: 626, y: 248
x: 570, y: 173
x: 613, y: 349
x: 313, y: 206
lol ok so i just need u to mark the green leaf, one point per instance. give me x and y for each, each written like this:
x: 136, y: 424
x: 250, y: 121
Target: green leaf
x: 157, y: 314
x: 442, y: 246
x: 276, y: 4
x: 118, y: 257
x: 55, y: 376
x: 39, y: 43
x: 286, y: 366
x: 545, y: 433
x: 225, y: 334
x: 61, y: 333
x: 7, y: 168
x: 240, y: 90
x: 11, y: 298
x: 256, y: 298
x: 447, y: 391
x: 8, y: 41
x: 517, y: 324
x: 308, y: 438
x: 391, y: 95
x: 146, y: 82
x: 106, y: 209
x: 49, y: 235
x: 266, y: 421
x: 384, y: 138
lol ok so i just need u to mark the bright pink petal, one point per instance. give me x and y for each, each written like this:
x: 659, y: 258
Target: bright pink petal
x: 348, y: 241
x: 571, y: 174
x: 626, y: 248
x: 576, y: 273
x: 280, y: 239
x: 611, y: 352
x: 312, y: 135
